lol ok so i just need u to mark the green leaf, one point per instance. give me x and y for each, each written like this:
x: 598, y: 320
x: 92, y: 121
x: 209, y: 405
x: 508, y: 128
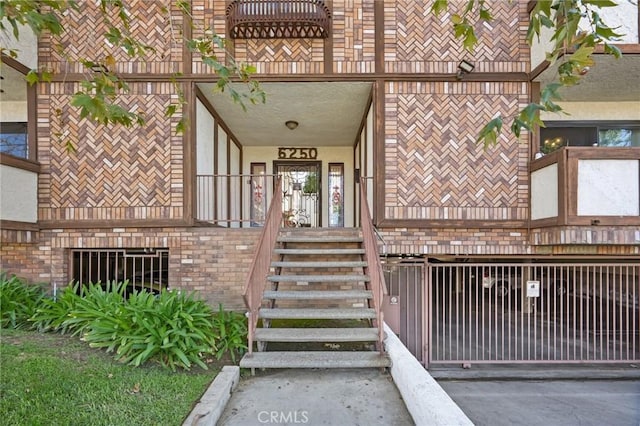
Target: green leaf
x: 439, y: 6
x: 32, y: 77
x: 489, y: 133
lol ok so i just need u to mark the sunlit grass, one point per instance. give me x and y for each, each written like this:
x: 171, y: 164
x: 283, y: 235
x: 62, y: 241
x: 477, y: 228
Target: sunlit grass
x: 48, y: 379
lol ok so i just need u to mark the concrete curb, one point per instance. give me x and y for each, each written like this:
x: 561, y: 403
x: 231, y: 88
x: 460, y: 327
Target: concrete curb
x: 426, y: 401
x: 212, y: 404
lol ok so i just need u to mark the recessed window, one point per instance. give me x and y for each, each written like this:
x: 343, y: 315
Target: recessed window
x: 620, y: 137
x: 15, y: 97
x: 14, y: 139
x: 603, y: 134
x: 143, y: 268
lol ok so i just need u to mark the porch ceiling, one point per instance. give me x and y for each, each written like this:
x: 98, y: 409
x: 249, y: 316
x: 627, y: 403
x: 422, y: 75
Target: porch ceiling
x: 328, y: 113
x: 609, y: 80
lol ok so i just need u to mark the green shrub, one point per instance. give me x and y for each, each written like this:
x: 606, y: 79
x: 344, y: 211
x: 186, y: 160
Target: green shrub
x: 18, y: 301
x: 76, y: 307
x: 231, y: 333
x: 171, y: 328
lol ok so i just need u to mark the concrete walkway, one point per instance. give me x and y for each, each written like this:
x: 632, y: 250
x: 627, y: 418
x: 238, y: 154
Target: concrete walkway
x: 316, y: 397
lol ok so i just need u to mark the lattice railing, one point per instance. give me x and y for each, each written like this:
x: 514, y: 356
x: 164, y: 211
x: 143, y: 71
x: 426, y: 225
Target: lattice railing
x: 278, y: 19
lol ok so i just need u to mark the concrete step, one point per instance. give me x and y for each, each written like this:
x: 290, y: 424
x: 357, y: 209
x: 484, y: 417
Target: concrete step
x: 318, y: 278
x: 319, y: 239
x: 320, y: 359
x: 325, y: 251
x: 319, y: 264
x: 316, y: 334
x: 333, y: 313
x: 305, y: 295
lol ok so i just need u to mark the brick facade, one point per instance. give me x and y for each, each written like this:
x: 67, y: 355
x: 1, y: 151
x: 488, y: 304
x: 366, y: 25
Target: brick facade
x: 428, y: 165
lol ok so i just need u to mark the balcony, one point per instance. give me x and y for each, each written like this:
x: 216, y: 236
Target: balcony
x: 278, y: 19
x: 586, y: 186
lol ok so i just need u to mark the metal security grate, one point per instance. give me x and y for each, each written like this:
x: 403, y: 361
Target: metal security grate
x: 534, y: 313
x: 143, y: 269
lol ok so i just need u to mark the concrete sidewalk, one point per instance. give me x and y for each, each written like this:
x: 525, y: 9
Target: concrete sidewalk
x: 317, y: 397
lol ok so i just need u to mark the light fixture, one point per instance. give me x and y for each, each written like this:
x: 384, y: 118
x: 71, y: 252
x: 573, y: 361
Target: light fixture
x: 291, y: 124
x: 464, y: 67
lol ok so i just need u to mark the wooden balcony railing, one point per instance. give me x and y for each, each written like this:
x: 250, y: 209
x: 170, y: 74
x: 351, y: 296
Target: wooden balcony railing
x: 278, y: 19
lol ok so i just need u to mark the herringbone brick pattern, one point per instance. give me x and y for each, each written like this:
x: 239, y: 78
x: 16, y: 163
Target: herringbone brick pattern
x: 353, y: 36
x: 83, y: 38
x: 435, y: 169
x: 286, y: 56
x: 209, y: 14
x: 116, y: 173
x: 417, y: 41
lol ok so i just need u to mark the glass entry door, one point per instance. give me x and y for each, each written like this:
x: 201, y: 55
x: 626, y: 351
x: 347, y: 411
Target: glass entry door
x: 301, y: 194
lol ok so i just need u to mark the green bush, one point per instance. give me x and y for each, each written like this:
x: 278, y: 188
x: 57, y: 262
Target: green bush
x: 231, y: 333
x: 172, y: 328
x: 76, y: 307
x: 18, y: 301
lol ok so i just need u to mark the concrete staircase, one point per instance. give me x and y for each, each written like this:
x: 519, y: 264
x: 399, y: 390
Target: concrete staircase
x: 316, y: 310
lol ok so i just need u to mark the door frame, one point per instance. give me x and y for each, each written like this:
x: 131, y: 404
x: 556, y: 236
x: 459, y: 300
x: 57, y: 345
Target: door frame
x: 318, y: 166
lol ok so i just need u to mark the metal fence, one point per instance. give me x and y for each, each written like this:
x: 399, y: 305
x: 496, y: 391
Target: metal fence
x: 467, y: 313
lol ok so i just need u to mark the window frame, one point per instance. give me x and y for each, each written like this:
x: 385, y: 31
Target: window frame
x: 31, y: 161
x: 598, y: 125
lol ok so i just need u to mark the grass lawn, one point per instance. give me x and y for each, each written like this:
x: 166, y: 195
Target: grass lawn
x: 49, y: 379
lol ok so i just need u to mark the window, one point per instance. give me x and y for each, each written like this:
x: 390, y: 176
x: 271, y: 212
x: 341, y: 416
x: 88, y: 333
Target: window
x: 336, y: 194
x: 619, y: 137
x: 14, y: 140
x: 606, y: 134
x: 144, y: 268
x: 16, y: 133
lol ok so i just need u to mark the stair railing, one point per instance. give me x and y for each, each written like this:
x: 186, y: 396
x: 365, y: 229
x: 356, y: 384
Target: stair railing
x: 259, y: 270
x: 374, y: 268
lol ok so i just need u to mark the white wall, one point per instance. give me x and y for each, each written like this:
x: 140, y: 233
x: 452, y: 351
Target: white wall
x: 544, y: 192
x: 590, y: 111
x: 18, y: 194
x: 326, y: 154
x: 204, y: 140
x: 608, y: 188
x: 623, y: 17
x: 26, y: 46
x: 13, y: 112
x: 235, y: 183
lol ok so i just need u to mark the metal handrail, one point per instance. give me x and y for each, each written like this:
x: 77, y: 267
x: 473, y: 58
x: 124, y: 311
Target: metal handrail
x: 257, y: 277
x: 374, y: 268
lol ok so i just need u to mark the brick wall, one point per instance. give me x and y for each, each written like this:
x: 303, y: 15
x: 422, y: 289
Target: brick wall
x: 212, y: 261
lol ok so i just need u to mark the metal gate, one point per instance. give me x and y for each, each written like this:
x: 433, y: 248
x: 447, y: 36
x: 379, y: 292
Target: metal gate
x: 405, y: 305
x: 533, y: 313
x: 468, y: 313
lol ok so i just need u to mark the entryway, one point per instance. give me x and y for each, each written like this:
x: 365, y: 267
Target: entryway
x: 301, y: 192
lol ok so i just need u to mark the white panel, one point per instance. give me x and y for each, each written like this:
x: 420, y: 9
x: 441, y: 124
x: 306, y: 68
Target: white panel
x: 14, y: 112
x: 236, y: 184
x: 544, y: 192
x: 608, y: 188
x: 623, y: 17
x: 18, y: 194
x: 204, y: 140
x: 370, y: 150
x: 223, y: 169
x: 26, y: 46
